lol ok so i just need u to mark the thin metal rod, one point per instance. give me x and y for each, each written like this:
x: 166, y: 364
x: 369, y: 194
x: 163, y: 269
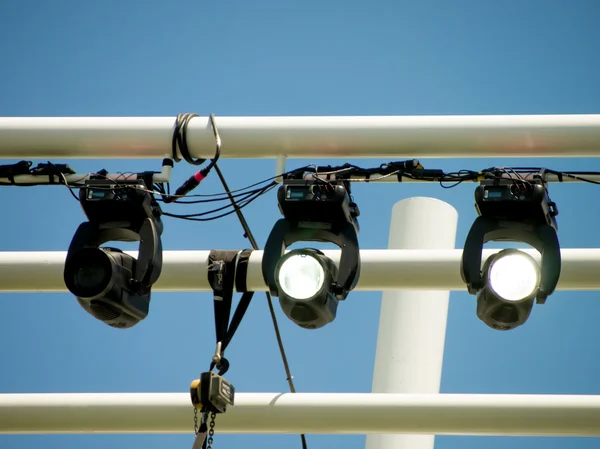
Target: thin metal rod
x: 285, y: 413
x: 305, y: 137
x: 381, y: 269
x: 548, y: 177
x: 163, y: 176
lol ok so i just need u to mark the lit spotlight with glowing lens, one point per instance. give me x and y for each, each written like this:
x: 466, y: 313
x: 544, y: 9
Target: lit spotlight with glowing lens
x: 109, y: 284
x: 513, y: 275
x: 304, y: 279
x: 308, y: 283
x: 300, y: 274
x: 511, y: 281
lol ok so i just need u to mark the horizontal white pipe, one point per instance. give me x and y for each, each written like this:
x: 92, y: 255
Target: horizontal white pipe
x: 381, y: 269
x: 163, y: 176
x: 526, y: 176
x: 285, y: 413
x: 305, y: 137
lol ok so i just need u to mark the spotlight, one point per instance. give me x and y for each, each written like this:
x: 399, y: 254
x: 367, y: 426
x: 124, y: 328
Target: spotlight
x: 309, y: 284
x: 511, y: 280
x: 110, y: 285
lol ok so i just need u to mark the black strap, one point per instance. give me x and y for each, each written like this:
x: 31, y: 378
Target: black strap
x: 228, y: 269
x: 12, y: 170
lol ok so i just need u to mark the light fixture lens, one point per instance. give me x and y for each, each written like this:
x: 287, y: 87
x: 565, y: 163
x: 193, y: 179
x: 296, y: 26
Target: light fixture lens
x: 301, y: 276
x: 89, y: 272
x: 514, y: 276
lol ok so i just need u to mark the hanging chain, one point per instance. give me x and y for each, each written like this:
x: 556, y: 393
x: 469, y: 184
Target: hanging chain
x: 211, y: 431
x: 196, y: 427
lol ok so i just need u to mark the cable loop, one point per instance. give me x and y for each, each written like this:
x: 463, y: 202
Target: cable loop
x: 179, y: 142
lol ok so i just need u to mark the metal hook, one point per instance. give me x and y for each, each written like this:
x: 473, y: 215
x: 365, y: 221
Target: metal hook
x: 213, y: 125
x: 217, y: 357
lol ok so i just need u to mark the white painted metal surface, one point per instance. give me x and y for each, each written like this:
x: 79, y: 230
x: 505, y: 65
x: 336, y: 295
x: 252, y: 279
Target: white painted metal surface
x: 305, y: 137
x: 548, y: 177
x: 382, y: 269
x: 283, y: 413
x: 410, y: 269
x: 163, y: 176
x: 412, y: 324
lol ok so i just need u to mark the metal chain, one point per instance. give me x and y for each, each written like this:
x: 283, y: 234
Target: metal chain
x: 211, y: 431
x: 196, y: 428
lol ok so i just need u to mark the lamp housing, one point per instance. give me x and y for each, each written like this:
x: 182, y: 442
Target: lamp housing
x: 314, y: 211
x: 317, y: 201
x: 111, y: 285
x: 516, y: 200
x: 511, y: 210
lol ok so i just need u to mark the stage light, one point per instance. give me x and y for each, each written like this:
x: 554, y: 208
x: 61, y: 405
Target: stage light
x: 305, y: 281
x: 513, y: 275
x: 300, y: 274
x: 511, y: 280
x: 110, y: 285
x: 308, y: 283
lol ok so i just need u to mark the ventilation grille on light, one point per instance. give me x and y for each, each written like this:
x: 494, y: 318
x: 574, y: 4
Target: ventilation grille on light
x: 103, y: 311
x: 303, y: 313
x: 504, y: 314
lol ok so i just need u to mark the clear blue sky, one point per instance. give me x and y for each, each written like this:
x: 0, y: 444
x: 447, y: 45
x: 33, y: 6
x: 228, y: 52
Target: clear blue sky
x: 158, y: 58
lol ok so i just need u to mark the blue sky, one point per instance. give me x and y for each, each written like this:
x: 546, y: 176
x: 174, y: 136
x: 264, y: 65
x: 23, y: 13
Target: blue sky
x: 153, y: 58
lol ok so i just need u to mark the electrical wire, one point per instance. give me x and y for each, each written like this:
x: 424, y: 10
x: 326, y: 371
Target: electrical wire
x: 271, y: 178
x: 410, y: 169
x: 179, y: 141
x: 250, y: 236
x: 576, y: 175
x: 66, y: 183
x: 243, y: 203
x: 458, y: 178
x: 217, y: 199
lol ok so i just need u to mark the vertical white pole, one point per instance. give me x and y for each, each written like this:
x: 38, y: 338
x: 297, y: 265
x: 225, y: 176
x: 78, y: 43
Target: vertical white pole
x: 412, y: 325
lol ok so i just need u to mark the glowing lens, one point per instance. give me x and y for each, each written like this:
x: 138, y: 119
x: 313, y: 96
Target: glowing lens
x: 514, y: 277
x: 301, y: 276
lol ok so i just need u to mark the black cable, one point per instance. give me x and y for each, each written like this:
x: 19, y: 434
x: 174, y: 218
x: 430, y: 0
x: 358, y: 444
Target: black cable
x: 69, y: 187
x: 179, y: 141
x: 205, y: 195
x: 224, y: 196
x: 64, y: 179
x: 217, y: 199
x: 576, y: 175
x: 246, y: 199
x: 241, y: 205
x: 459, y: 177
x: 248, y: 234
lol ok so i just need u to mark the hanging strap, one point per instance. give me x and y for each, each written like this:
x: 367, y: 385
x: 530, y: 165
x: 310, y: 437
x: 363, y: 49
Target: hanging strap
x: 227, y: 271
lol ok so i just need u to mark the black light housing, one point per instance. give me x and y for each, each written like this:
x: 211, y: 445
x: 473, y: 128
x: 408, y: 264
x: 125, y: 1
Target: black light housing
x: 110, y: 285
x: 513, y: 211
x: 314, y: 211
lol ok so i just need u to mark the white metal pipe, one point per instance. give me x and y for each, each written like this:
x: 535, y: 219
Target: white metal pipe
x: 381, y: 269
x: 305, y: 137
x: 163, y: 176
x: 548, y: 177
x: 412, y: 323
x: 286, y: 413
x: 280, y: 164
